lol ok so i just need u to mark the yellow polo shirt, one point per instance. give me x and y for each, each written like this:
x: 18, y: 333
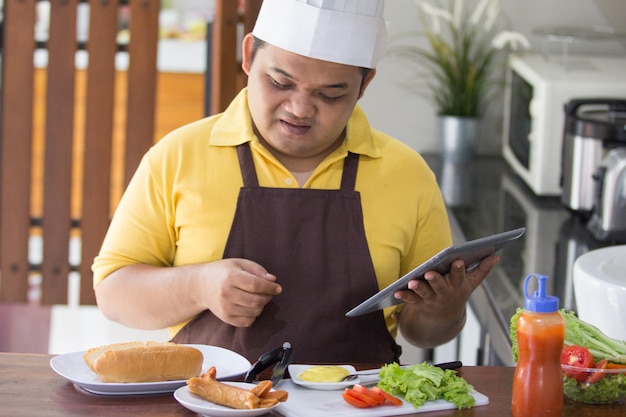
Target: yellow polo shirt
x: 179, y: 206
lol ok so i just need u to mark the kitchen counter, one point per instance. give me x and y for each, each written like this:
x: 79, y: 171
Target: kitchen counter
x: 487, y: 197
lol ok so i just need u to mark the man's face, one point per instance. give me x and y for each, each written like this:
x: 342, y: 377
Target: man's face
x: 299, y: 105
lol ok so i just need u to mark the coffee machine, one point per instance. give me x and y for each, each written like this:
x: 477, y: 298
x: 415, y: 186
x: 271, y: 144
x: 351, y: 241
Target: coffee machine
x: 594, y: 164
x: 608, y: 220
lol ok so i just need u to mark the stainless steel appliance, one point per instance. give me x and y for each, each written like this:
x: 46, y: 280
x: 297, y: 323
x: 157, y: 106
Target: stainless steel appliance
x: 608, y: 221
x: 593, y: 127
x: 537, y: 88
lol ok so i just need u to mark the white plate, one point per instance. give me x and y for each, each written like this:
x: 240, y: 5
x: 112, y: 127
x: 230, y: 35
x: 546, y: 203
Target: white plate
x: 296, y: 370
x: 201, y: 406
x: 72, y: 367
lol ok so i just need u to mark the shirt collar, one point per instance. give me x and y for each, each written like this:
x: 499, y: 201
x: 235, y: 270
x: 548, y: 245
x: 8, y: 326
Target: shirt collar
x: 235, y: 127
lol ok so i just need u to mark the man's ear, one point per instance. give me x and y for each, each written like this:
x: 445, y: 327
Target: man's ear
x: 366, y: 80
x: 246, y: 53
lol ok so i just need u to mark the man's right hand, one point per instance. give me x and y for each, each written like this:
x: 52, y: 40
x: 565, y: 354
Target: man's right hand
x: 153, y: 297
x: 237, y: 290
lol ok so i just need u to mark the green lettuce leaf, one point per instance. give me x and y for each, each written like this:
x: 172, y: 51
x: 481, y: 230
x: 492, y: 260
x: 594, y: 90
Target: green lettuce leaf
x: 423, y: 382
x: 580, y: 333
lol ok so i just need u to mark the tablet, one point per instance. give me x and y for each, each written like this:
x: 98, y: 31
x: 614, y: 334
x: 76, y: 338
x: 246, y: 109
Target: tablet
x: 471, y: 252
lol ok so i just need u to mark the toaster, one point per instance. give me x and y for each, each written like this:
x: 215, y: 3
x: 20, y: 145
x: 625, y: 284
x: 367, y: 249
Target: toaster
x: 608, y: 219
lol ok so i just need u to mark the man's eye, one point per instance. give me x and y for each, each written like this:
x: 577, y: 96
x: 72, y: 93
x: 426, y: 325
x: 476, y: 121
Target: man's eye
x: 330, y: 99
x: 279, y: 85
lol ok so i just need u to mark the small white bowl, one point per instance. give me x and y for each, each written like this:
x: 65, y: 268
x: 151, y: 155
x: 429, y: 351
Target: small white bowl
x: 296, y: 370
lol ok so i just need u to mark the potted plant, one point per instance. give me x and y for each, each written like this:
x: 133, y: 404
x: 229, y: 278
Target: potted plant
x: 457, y: 67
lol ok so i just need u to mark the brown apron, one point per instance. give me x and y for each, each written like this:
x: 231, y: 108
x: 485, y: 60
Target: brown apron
x: 314, y: 242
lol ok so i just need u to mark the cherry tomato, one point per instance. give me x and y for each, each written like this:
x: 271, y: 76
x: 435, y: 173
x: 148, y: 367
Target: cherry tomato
x: 348, y: 396
x: 363, y: 397
x: 376, y: 397
x: 388, y: 397
x: 596, y: 376
x: 577, y: 356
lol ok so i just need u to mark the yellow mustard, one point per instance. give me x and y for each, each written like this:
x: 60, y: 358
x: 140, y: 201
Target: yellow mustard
x: 324, y: 373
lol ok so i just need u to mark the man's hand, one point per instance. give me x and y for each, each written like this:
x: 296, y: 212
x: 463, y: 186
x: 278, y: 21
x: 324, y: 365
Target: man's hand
x: 153, y: 297
x: 237, y: 290
x: 434, y: 310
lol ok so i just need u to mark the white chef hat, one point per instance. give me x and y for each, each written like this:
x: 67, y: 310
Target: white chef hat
x: 351, y: 32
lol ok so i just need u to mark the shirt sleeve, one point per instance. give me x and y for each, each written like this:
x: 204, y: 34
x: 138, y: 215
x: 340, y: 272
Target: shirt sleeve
x: 137, y: 233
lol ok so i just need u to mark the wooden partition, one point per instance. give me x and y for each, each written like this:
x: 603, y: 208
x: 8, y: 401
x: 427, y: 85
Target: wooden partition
x: 38, y: 159
x: 232, y: 19
x: 65, y: 159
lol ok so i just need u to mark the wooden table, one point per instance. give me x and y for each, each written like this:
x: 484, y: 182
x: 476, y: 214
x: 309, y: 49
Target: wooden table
x: 29, y: 387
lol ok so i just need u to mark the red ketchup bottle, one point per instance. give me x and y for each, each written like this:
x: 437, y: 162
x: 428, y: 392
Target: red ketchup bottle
x: 538, y: 384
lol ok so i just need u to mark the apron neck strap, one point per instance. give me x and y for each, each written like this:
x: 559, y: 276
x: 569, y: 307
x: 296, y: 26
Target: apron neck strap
x: 350, y: 165
x: 247, y: 165
x: 348, y: 179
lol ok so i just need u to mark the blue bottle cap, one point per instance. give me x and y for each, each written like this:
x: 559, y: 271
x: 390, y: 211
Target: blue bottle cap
x: 539, y: 302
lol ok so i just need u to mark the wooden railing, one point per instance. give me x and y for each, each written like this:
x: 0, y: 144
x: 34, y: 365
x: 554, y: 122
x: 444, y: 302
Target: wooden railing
x: 65, y: 159
x: 66, y: 136
x: 232, y: 18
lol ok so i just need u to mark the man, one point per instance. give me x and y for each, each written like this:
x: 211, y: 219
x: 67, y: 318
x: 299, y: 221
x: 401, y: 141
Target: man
x: 268, y: 222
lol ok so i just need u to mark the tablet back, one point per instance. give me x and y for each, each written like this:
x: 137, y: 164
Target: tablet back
x: 471, y: 252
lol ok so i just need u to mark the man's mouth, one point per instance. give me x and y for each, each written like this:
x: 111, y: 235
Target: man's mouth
x: 294, y: 129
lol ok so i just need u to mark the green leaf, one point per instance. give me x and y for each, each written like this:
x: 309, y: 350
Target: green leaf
x: 580, y: 333
x: 423, y: 382
x: 460, y: 62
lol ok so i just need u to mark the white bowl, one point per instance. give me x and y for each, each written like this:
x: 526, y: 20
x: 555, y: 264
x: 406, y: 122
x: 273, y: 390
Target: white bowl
x: 600, y: 289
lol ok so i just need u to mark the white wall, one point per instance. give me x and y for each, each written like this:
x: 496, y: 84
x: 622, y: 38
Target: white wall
x: 411, y: 118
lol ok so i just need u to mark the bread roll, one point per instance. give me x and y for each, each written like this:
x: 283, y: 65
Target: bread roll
x: 144, y: 362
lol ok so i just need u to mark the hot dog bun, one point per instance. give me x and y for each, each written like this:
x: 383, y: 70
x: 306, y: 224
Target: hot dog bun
x: 144, y: 362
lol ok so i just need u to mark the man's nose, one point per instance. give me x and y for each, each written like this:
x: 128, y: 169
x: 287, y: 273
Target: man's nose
x: 301, y: 105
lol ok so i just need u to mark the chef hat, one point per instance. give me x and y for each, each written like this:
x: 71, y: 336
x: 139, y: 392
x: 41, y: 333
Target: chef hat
x: 351, y: 32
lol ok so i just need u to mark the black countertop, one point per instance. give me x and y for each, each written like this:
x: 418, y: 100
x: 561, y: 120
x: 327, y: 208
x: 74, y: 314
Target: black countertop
x: 487, y: 197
